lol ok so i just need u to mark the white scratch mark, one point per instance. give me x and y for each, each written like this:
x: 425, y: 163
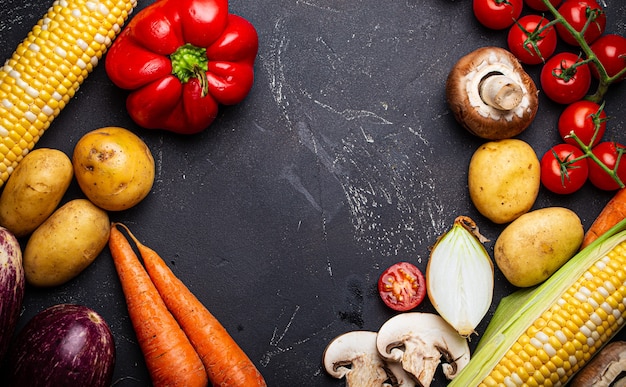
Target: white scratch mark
x: 289, y: 175
x: 353, y: 114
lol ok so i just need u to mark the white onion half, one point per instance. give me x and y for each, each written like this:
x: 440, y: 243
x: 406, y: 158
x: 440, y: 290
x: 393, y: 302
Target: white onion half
x: 459, y: 277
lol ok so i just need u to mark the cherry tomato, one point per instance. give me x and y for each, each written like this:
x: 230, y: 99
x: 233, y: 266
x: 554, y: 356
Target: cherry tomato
x: 497, y: 14
x: 563, y: 83
x: 581, y: 117
x: 538, y: 5
x: 402, y: 286
x: 611, y: 52
x: 529, y: 43
x: 562, y: 171
x: 576, y: 13
x: 608, y: 152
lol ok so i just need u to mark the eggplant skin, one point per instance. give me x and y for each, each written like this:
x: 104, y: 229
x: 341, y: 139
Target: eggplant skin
x: 11, y: 287
x: 63, y: 345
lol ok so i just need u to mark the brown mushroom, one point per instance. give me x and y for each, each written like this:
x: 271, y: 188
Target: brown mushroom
x: 605, y: 369
x: 491, y: 95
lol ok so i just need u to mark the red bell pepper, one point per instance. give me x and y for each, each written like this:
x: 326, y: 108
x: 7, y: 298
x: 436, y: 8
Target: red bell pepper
x: 181, y: 59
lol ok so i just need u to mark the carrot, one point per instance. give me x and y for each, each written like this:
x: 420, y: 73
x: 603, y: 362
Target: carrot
x: 170, y: 358
x: 225, y: 362
x: 611, y: 214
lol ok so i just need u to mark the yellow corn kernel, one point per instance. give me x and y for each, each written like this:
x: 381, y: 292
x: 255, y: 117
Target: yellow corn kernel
x: 47, y: 68
x: 568, y: 334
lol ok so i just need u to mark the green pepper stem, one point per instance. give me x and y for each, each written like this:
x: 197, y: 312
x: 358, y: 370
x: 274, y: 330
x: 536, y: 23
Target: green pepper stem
x: 188, y: 62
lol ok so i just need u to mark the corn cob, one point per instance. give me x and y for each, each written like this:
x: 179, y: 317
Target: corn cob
x: 47, y: 68
x: 543, y: 336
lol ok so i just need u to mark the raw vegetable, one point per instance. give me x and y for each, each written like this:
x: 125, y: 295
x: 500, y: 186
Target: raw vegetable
x: 559, y: 324
x: 34, y: 190
x: 564, y: 169
x: 504, y: 179
x: 610, y: 173
x: 43, y: 73
x: 613, y: 213
x: 584, y: 16
x: 490, y: 94
x: 11, y: 287
x: 610, y: 49
x: 402, y: 286
x: 66, y: 243
x: 565, y: 78
x: 537, y: 244
x: 586, y: 120
x: 606, y: 369
x: 354, y: 356
x: 181, y: 59
x: 63, y: 345
x: 497, y: 14
x: 420, y: 342
x: 532, y: 39
x: 170, y: 358
x: 114, y: 168
x: 459, y: 276
x: 225, y: 362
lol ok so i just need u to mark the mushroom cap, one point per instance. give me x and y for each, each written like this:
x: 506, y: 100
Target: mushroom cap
x: 418, y: 341
x: 471, y: 111
x: 353, y: 355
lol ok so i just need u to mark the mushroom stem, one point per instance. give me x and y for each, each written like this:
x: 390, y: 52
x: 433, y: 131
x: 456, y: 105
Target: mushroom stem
x: 500, y: 92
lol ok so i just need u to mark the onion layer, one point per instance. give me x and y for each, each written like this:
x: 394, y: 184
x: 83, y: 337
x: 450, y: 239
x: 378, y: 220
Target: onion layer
x: 460, y: 277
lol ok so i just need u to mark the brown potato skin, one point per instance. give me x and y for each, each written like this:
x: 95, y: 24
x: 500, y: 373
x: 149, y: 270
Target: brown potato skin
x: 504, y: 179
x: 537, y: 244
x: 66, y: 243
x: 113, y: 167
x: 34, y: 190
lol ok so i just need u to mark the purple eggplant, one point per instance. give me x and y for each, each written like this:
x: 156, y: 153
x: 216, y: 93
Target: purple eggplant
x: 63, y: 345
x: 11, y: 287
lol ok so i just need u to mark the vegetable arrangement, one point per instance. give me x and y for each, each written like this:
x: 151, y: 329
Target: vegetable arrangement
x: 115, y: 171
x: 177, y: 334
x: 571, y: 300
x: 198, y: 63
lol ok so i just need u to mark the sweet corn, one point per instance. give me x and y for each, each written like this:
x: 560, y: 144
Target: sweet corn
x: 595, y: 303
x: 543, y: 339
x: 47, y: 68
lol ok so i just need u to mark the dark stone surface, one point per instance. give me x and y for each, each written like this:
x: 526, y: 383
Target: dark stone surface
x: 343, y: 160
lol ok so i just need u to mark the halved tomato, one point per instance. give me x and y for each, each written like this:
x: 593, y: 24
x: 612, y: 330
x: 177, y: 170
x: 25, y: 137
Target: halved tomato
x: 402, y: 286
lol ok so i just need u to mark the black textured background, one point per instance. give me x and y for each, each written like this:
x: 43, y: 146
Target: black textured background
x: 343, y: 159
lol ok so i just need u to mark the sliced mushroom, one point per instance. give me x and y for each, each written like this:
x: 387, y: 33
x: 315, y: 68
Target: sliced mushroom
x: 353, y: 355
x: 419, y: 341
x: 606, y: 369
x: 491, y: 95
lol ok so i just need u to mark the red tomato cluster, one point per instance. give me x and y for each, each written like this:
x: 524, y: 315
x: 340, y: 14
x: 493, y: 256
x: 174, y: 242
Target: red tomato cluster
x: 565, y: 78
x: 566, y: 167
x: 532, y: 38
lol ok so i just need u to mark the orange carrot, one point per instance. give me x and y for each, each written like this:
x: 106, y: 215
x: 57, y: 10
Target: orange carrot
x: 225, y: 362
x: 611, y: 214
x: 170, y: 358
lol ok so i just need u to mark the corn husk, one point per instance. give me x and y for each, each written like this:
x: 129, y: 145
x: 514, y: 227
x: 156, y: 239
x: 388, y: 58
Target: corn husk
x: 516, y: 312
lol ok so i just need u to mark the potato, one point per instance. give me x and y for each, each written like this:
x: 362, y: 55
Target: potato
x: 34, y: 190
x: 66, y: 243
x: 538, y: 243
x: 114, y: 168
x: 504, y: 179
